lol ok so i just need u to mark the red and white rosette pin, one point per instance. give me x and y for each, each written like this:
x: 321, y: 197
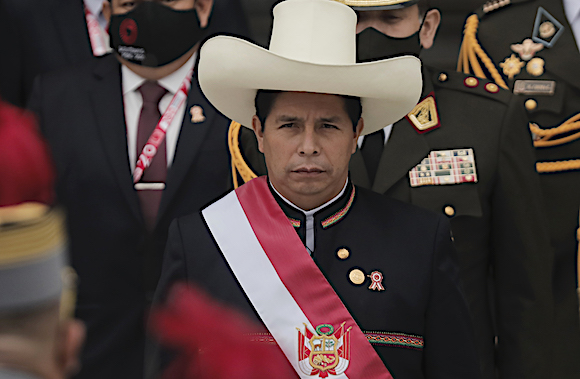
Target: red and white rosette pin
x: 377, y: 281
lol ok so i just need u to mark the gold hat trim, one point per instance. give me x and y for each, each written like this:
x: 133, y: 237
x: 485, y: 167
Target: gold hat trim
x: 28, y: 232
x: 371, y: 3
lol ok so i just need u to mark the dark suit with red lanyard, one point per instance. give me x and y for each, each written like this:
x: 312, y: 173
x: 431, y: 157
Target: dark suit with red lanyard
x: 118, y: 260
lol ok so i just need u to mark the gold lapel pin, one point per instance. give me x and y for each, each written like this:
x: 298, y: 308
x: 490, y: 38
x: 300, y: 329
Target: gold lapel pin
x: 197, y: 114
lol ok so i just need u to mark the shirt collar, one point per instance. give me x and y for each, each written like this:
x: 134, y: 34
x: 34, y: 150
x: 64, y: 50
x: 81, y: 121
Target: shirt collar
x: 572, y: 9
x: 315, y: 210
x: 94, y: 6
x: 172, y: 82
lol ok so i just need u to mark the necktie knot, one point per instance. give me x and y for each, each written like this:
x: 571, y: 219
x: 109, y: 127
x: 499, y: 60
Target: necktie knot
x: 151, y: 92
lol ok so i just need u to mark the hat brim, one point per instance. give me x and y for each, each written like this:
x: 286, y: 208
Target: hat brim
x: 231, y: 71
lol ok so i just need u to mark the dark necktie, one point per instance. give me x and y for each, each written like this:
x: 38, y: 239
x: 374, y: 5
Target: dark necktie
x: 157, y: 171
x: 372, y: 149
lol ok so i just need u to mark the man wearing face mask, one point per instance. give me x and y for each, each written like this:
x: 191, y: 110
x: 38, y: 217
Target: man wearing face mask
x: 135, y: 145
x: 464, y: 151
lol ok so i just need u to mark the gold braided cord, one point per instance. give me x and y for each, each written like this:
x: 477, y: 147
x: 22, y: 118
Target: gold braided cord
x: 557, y: 166
x: 239, y: 165
x: 471, y: 53
x: 544, y: 137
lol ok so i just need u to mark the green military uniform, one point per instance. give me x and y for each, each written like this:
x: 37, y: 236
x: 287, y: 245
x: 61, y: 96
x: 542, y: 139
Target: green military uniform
x: 533, y: 51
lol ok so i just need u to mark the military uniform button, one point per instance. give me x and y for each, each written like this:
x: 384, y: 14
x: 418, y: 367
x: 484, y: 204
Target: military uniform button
x: 491, y: 88
x: 531, y: 104
x: 343, y: 253
x: 443, y: 77
x: 356, y: 276
x: 471, y: 82
x: 449, y: 211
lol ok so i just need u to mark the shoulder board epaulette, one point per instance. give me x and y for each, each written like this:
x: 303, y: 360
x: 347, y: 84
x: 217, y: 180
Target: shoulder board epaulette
x: 493, y: 5
x: 470, y: 84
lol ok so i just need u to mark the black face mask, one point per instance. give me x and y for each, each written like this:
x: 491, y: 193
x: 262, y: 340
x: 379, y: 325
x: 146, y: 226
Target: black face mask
x: 372, y: 45
x: 154, y: 35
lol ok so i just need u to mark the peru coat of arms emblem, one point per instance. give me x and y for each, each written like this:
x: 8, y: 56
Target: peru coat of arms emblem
x: 324, y: 352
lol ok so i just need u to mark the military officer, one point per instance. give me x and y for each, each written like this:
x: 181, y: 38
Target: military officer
x: 531, y: 48
x: 464, y: 151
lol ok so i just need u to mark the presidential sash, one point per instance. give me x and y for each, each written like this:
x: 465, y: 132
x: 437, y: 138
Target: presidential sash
x: 293, y: 298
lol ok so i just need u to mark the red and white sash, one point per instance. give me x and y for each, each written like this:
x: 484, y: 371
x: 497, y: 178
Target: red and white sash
x: 96, y: 34
x: 293, y: 298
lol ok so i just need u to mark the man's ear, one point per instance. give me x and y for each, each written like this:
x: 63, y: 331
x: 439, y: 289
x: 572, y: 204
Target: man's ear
x: 203, y: 8
x: 257, y: 126
x: 359, y: 128
x: 429, y: 29
x: 71, y: 340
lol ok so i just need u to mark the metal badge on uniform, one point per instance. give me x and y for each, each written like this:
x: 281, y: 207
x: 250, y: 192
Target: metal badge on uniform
x: 445, y: 167
x: 535, y: 67
x: 197, y: 115
x: 547, y: 30
x: 527, y: 49
x: 512, y: 66
x: 377, y: 281
x: 424, y: 116
x: 535, y: 87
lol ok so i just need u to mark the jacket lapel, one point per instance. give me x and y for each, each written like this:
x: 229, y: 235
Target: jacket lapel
x: 563, y: 58
x: 358, y: 170
x: 107, y: 99
x: 404, y: 150
x: 191, y: 138
x: 69, y: 17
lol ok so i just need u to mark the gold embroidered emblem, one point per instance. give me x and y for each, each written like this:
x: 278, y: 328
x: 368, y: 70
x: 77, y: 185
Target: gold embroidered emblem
x: 197, y: 114
x: 424, y: 116
x: 535, y: 67
x: 512, y: 66
x: 547, y: 29
x: 527, y: 49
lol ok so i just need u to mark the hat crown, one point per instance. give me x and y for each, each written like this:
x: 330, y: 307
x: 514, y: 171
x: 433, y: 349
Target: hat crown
x: 314, y: 31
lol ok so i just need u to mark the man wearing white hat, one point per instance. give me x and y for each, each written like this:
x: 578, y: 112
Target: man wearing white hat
x: 341, y: 279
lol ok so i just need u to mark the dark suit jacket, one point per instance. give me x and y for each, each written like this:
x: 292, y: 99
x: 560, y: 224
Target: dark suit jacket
x: 499, y: 229
x: 421, y: 297
x: 117, y: 260
x: 498, y: 30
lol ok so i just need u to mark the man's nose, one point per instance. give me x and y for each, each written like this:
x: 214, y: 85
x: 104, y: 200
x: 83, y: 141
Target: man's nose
x: 309, y: 143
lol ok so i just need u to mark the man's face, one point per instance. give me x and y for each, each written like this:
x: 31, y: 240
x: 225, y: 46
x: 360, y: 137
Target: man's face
x: 307, y: 141
x: 124, y: 6
x: 399, y: 23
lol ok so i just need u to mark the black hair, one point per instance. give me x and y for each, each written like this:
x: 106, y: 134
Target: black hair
x: 265, y: 100
x: 424, y: 6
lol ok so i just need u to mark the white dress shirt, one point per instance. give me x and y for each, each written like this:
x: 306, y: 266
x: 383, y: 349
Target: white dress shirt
x: 134, y: 102
x: 310, y: 215
x: 572, y: 9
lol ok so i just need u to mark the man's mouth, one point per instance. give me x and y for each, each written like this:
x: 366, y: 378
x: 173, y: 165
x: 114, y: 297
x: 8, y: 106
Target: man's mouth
x: 308, y: 170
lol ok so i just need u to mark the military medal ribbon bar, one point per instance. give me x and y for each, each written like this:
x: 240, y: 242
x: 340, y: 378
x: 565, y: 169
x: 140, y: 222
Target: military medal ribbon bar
x: 293, y: 298
x: 445, y: 167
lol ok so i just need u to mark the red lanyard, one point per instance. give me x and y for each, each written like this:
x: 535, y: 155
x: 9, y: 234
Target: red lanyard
x: 98, y: 43
x: 158, y: 135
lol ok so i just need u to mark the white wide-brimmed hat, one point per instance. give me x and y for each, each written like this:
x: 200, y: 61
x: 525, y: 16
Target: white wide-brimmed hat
x: 312, y: 49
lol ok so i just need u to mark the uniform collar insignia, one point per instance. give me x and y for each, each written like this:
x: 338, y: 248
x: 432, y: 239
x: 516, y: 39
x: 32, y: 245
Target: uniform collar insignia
x: 424, y: 117
x: 547, y: 30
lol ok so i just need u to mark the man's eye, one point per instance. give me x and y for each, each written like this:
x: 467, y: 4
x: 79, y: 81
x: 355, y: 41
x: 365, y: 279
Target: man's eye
x: 329, y: 126
x: 289, y: 125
